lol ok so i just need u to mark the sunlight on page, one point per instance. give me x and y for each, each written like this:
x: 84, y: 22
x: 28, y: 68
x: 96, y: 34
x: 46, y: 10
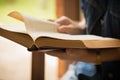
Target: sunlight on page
x: 41, y: 28
x: 35, y: 35
x: 34, y: 24
x: 17, y: 27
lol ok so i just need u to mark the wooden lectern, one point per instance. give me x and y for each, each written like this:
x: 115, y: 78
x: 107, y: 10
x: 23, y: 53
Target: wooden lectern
x: 38, y: 65
x: 38, y: 60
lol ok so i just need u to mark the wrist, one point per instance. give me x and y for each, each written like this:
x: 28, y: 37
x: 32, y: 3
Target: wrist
x: 82, y: 26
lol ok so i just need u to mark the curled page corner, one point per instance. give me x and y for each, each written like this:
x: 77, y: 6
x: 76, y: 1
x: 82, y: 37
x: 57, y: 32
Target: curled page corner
x: 16, y: 15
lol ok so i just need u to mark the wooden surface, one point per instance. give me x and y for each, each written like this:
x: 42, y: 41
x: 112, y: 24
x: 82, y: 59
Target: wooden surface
x: 69, y: 8
x: 38, y: 66
x: 38, y: 59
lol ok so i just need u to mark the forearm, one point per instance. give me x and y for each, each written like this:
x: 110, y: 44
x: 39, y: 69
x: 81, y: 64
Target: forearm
x: 82, y: 24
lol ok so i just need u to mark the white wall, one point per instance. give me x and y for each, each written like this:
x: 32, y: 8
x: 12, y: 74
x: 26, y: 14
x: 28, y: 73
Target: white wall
x: 15, y: 62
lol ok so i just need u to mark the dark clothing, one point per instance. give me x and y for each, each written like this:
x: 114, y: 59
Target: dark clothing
x: 103, y: 19
x: 105, y: 71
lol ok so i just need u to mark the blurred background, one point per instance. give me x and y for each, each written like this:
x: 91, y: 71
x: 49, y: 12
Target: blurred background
x: 15, y: 60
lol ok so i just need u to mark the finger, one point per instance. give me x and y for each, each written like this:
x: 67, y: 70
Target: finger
x: 63, y: 20
x: 62, y: 29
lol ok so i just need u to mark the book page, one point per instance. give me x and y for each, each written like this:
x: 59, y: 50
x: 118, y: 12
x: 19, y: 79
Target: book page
x: 15, y: 27
x: 40, y: 28
x: 63, y: 36
x: 35, y: 26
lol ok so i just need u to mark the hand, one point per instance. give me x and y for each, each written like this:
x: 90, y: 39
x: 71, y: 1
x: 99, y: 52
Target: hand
x: 69, y: 26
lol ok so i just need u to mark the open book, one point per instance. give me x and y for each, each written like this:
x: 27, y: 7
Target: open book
x: 42, y: 34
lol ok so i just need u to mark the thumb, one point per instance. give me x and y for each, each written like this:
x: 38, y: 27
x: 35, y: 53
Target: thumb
x: 62, y: 29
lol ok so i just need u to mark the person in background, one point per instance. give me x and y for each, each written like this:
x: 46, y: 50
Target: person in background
x: 102, y: 18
